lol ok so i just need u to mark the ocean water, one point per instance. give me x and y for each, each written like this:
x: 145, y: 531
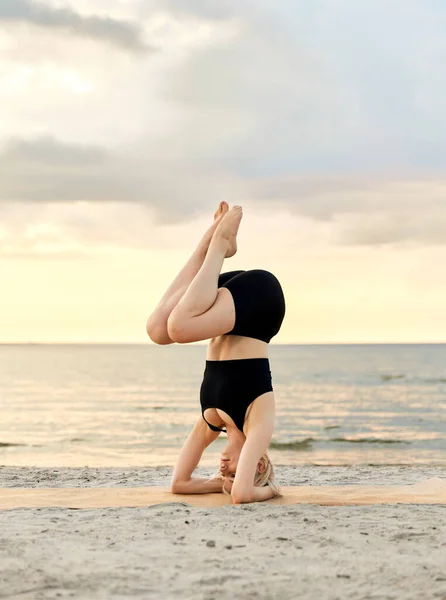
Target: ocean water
x: 134, y: 405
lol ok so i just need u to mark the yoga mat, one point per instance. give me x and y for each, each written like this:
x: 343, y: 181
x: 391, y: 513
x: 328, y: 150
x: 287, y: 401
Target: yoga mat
x: 428, y: 491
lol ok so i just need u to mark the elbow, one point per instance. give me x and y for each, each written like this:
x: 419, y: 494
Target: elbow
x: 241, y: 499
x: 177, y: 487
x: 241, y: 496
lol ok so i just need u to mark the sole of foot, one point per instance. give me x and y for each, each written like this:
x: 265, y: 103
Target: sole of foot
x: 228, y: 228
x: 222, y: 210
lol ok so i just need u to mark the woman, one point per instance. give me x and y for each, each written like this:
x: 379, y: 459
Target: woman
x: 239, y: 312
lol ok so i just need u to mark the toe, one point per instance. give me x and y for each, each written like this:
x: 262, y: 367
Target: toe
x: 219, y: 211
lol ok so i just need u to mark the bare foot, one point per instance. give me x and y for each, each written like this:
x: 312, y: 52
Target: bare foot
x: 222, y: 209
x: 207, y: 237
x: 228, y: 227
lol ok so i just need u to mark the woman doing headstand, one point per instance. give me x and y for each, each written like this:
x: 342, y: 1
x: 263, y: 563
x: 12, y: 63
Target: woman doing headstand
x: 239, y: 312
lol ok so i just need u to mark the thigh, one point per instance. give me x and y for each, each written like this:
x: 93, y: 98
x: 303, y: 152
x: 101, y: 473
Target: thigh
x: 225, y: 277
x: 156, y: 325
x: 218, y: 320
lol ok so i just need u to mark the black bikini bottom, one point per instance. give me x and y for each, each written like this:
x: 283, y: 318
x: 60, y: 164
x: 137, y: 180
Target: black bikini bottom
x: 232, y: 385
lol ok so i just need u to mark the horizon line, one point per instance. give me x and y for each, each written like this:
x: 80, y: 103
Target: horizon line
x: 150, y: 344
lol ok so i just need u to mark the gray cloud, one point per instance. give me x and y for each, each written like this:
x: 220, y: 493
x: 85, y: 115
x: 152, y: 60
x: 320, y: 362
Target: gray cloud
x: 362, y: 209
x: 205, y: 9
x: 295, y: 109
x: 300, y: 88
x: 119, y: 33
x: 46, y: 150
x: 46, y: 170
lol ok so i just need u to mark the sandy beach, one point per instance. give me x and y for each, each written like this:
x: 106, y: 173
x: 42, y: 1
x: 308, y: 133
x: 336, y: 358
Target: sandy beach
x: 253, y: 551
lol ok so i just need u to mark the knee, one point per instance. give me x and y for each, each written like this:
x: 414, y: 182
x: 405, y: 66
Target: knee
x: 157, y: 332
x: 176, y: 329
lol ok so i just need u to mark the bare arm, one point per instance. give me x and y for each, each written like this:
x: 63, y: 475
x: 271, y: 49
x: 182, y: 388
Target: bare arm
x: 261, y: 427
x: 182, y: 483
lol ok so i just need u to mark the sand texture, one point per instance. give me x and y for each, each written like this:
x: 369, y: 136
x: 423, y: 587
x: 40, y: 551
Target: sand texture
x: 428, y: 491
x: 176, y: 550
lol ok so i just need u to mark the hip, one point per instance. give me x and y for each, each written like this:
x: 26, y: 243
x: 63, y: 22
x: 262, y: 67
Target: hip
x: 240, y: 373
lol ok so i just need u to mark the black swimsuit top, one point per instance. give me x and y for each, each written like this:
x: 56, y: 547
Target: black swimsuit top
x: 259, y: 303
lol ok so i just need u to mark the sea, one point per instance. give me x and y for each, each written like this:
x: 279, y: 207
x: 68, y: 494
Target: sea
x: 124, y: 405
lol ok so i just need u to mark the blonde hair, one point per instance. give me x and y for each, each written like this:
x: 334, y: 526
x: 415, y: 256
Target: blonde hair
x: 267, y: 478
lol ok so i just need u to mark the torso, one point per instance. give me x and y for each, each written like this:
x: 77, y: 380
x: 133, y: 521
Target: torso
x: 233, y: 347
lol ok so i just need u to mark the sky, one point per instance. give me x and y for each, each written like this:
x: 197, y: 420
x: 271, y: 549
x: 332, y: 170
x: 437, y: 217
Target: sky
x: 123, y: 123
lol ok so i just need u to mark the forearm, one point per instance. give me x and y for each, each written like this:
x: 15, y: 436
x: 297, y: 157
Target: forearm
x: 257, y: 494
x: 196, y: 485
x: 262, y: 493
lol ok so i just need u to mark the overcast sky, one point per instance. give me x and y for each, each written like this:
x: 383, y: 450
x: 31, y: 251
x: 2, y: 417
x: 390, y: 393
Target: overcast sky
x: 124, y: 123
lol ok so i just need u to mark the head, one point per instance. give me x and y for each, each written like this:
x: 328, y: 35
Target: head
x: 229, y: 458
x: 264, y: 474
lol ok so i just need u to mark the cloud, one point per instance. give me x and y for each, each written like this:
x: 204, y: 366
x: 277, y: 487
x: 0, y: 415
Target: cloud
x: 46, y: 150
x: 366, y: 209
x: 204, y: 9
x: 315, y: 93
x: 45, y: 170
x: 298, y: 109
x: 362, y: 210
x: 124, y: 34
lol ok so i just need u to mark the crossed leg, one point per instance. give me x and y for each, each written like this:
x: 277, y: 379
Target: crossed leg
x: 205, y: 311
x: 156, y: 325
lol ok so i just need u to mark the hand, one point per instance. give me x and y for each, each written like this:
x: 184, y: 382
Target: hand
x: 216, y: 483
x: 228, y: 482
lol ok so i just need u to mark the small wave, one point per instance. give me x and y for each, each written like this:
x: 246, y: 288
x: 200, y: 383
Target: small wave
x: 368, y: 441
x: 296, y: 445
x: 391, y: 377
x: 327, y: 427
x: 8, y: 444
x: 435, y: 380
x: 78, y: 440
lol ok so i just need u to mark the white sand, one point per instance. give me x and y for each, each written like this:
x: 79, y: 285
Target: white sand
x: 253, y: 551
